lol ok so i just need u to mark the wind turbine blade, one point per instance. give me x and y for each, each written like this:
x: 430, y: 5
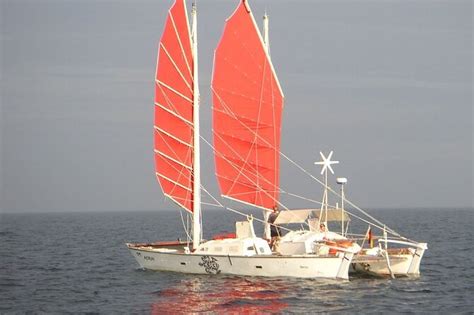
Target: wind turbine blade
x: 330, y: 168
x: 323, y: 169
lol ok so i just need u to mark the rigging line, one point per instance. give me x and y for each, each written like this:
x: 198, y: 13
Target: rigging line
x: 302, y: 197
x: 217, y: 204
x: 176, y: 67
x: 363, y: 220
x: 267, y: 53
x: 236, y: 118
x: 240, y: 173
x: 169, y: 158
x: 181, y: 173
x: 294, y: 163
x: 259, y: 113
x: 236, y: 153
x: 245, y: 48
x: 165, y: 95
x: 170, y: 103
x: 241, y: 213
x: 309, y: 174
x: 236, y: 166
x: 337, y: 194
x: 180, y: 42
x: 185, y: 227
x: 188, y: 224
x: 163, y: 139
x: 159, y: 82
x: 183, y: 142
x: 376, y: 226
x: 276, y: 163
x: 241, y: 169
x: 356, y: 235
x: 238, y: 169
x: 175, y: 114
x: 256, y: 219
x: 174, y: 182
x: 214, y: 150
x: 189, y: 151
x: 210, y: 204
x: 306, y: 172
x: 175, y: 201
x: 212, y: 147
x: 360, y: 218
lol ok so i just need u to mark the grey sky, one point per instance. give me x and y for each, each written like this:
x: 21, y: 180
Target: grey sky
x: 387, y: 85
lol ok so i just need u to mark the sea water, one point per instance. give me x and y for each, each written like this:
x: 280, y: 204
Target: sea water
x: 78, y: 262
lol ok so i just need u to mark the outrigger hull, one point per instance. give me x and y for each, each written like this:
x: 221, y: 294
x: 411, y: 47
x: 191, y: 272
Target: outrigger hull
x: 176, y: 259
x: 401, y: 263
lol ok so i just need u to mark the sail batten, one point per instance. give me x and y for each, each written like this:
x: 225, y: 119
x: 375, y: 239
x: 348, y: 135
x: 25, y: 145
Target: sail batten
x: 247, y: 122
x: 166, y: 156
x: 247, y: 109
x: 239, y: 139
x: 252, y: 187
x: 168, y: 86
x: 174, y: 113
x: 188, y: 84
x: 174, y: 105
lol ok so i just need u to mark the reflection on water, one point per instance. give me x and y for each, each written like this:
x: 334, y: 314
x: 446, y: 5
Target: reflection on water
x: 254, y: 295
x: 221, y: 294
x: 233, y: 294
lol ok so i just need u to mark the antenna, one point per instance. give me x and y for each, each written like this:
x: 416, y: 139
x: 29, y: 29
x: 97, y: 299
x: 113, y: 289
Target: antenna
x: 342, y: 181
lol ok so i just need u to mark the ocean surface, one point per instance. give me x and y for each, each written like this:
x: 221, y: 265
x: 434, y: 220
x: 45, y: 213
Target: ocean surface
x: 78, y: 263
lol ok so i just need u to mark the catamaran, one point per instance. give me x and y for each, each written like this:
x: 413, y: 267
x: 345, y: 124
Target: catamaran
x: 247, y: 116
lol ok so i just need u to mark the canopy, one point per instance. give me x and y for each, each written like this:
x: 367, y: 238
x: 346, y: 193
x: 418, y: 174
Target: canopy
x: 301, y: 215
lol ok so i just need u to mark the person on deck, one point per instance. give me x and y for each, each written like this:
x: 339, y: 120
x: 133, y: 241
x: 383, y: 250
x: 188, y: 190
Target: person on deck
x: 322, y: 228
x: 275, y: 231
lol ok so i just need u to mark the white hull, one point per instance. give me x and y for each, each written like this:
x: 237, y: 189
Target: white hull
x: 300, y: 266
x: 406, y: 264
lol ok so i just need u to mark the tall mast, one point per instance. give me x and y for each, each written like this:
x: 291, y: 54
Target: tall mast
x: 265, y: 33
x: 196, y: 138
x: 266, y: 213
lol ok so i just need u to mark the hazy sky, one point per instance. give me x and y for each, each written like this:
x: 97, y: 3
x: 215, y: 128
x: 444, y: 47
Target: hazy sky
x: 387, y: 85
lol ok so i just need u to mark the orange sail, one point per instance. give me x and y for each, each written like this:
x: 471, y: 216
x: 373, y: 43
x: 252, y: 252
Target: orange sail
x: 173, y: 130
x: 247, y: 110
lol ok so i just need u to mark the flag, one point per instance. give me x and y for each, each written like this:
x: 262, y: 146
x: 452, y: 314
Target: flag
x: 369, y: 237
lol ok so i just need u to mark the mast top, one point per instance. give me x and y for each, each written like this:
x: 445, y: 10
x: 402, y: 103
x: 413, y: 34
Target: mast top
x: 246, y: 4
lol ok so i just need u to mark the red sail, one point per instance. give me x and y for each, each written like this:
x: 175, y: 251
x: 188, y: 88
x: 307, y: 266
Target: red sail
x: 247, y: 109
x: 173, y: 134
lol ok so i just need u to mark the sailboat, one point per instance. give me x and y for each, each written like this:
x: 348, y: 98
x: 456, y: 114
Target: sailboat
x: 247, y: 107
x: 394, y: 256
